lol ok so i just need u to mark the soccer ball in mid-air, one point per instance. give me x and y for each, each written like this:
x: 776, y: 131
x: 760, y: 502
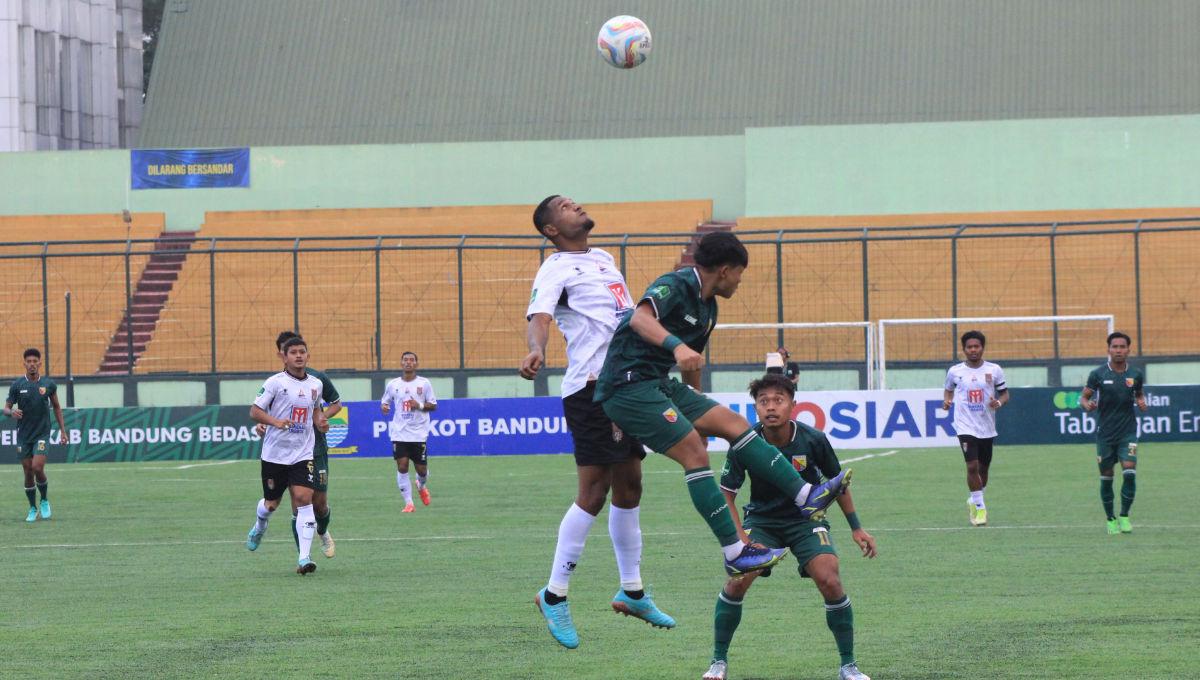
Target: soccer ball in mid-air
x: 624, y: 41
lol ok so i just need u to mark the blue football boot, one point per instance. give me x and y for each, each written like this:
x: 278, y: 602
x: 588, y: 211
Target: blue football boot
x: 45, y: 509
x: 558, y: 620
x: 644, y: 609
x: 824, y: 494
x: 754, y: 557
x: 253, y: 538
x: 32, y: 516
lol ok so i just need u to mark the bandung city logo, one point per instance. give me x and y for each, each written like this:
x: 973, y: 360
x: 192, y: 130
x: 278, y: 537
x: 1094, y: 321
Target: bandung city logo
x: 339, y: 427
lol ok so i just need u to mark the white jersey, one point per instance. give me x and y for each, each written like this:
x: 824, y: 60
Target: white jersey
x: 973, y: 389
x: 586, y: 295
x: 287, y: 397
x: 408, y: 425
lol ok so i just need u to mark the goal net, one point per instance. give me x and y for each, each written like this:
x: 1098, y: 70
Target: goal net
x: 833, y: 355
x: 927, y: 342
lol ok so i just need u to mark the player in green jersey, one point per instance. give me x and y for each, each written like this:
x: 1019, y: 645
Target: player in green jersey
x: 333, y: 401
x: 1117, y: 387
x: 774, y: 520
x: 29, y: 402
x: 670, y: 326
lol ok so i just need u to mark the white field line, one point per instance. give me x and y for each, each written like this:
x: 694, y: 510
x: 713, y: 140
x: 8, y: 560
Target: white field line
x: 471, y: 537
x: 870, y: 455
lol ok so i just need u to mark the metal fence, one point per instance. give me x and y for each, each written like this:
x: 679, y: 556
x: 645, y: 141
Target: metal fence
x: 460, y: 302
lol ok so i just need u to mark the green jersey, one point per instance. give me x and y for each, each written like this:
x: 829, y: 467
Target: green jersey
x: 809, y: 452
x: 329, y: 394
x: 33, y: 398
x: 675, y: 299
x: 1117, y: 393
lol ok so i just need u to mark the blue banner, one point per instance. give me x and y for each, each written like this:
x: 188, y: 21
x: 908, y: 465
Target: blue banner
x: 189, y: 168
x: 459, y: 427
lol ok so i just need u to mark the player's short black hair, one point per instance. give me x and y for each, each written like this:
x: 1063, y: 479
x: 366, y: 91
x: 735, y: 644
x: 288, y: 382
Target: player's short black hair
x: 541, y: 214
x: 776, y: 381
x: 32, y: 352
x: 973, y: 335
x: 719, y: 248
x: 1119, y: 334
x: 292, y: 342
x: 284, y: 337
x: 414, y: 355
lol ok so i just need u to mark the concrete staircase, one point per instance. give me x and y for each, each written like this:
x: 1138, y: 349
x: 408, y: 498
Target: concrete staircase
x: 686, y: 259
x: 149, y: 296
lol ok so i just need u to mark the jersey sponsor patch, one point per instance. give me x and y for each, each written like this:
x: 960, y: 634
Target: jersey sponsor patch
x: 533, y: 296
x: 660, y: 292
x: 670, y: 415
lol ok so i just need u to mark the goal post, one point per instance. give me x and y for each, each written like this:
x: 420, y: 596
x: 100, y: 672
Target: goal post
x: 1053, y: 321
x: 860, y: 350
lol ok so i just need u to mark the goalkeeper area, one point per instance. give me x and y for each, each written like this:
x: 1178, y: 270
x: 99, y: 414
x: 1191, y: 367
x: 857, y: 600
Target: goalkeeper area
x: 142, y: 572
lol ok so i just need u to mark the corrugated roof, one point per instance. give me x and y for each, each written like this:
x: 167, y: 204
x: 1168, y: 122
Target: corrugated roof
x: 278, y: 72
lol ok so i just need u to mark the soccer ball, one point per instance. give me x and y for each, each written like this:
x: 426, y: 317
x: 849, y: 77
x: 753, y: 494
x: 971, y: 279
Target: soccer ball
x: 624, y: 41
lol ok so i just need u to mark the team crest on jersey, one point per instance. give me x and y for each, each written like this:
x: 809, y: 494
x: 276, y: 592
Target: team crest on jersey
x: 42, y: 390
x: 1129, y: 382
x: 670, y: 415
x: 420, y: 390
x: 987, y: 378
x: 800, y: 463
x: 313, y: 392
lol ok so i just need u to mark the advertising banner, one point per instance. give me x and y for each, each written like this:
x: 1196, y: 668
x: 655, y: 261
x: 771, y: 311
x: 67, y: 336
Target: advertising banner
x: 1047, y: 415
x: 489, y: 427
x: 189, y: 168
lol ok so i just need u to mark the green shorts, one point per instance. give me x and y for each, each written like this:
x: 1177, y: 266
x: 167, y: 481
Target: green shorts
x: 806, y: 540
x: 658, y: 413
x: 321, y: 469
x: 38, y: 446
x: 1109, y: 452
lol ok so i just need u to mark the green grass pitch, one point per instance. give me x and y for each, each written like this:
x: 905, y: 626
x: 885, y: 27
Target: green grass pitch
x: 142, y: 572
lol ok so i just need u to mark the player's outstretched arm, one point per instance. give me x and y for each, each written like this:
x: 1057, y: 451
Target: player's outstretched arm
x: 864, y: 540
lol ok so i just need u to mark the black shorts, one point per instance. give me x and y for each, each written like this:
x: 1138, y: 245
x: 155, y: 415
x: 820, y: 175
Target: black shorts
x: 414, y: 451
x: 597, y: 440
x: 976, y: 448
x: 276, y: 478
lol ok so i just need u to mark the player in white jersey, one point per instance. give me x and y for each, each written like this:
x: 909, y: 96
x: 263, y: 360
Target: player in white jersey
x: 412, y: 398
x: 289, y: 405
x: 976, y: 389
x: 582, y: 289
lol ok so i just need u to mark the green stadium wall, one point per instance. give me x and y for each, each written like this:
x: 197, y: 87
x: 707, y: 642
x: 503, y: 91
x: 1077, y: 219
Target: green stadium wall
x: 1059, y: 164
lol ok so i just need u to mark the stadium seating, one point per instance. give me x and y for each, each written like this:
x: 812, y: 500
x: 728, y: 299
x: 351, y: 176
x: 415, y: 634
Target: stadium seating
x: 96, y: 283
x: 419, y: 295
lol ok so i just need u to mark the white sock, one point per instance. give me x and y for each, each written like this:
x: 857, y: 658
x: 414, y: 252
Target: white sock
x: 264, y: 516
x: 405, y: 486
x: 625, y: 529
x: 802, y: 497
x: 572, y: 534
x: 306, y: 526
x: 977, y: 498
x: 422, y: 480
x: 733, y: 550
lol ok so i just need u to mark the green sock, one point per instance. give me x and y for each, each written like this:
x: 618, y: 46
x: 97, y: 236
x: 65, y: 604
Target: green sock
x: 711, y: 504
x: 1106, y: 496
x: 765, y: 462
x: 323, y: 521
x: 42, y: 488
x: 1128, y: 489
x: 725, y: 622
x: 295, y: 535
x: 840, y: 619
x: 31, y: 495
